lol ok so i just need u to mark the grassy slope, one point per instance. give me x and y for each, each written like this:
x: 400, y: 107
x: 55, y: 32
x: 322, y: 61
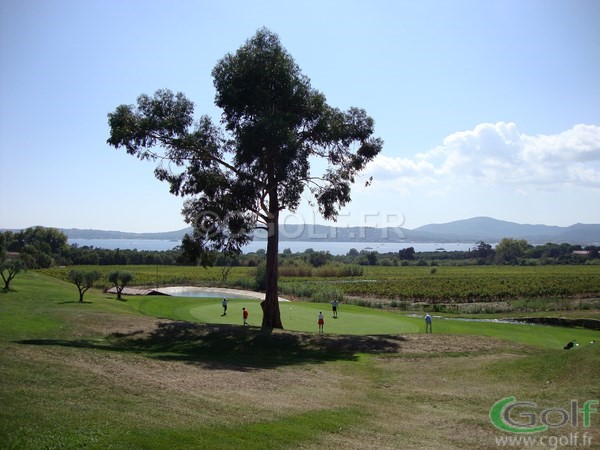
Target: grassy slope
x: 67, y: 384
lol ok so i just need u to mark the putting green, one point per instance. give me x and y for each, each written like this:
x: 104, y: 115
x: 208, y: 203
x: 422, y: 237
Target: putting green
x: 301, y: 316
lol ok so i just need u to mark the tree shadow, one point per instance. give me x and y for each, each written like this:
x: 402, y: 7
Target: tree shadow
x: 66, y: 302
x: 235, y: 347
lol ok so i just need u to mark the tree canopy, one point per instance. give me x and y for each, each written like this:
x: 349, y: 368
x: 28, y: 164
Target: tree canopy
x: 119, y: 279
x: 84, y: 280
x: 242, y: 175
x: 510, y: 250
x: 39, y: 247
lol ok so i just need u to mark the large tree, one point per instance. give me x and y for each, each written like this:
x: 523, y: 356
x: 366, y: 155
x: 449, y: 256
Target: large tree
x: 240, y: 177
x: 509, y: 250
x: 41, y: 247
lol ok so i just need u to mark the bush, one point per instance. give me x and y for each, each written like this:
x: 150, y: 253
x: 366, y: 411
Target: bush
x: 300, y: 270
x: 260, y: 277
x: 327, y: 294
x: 304, y: 290
x: 326, y: 271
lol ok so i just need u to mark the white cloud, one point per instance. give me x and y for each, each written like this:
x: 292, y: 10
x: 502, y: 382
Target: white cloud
x: 579, y: 144
x: 499, y: 154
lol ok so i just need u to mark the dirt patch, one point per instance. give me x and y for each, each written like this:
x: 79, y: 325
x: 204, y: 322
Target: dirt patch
x: 103, y: 324
x: 211, y: 389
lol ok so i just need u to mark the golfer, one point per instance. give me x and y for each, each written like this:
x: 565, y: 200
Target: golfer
x: 334, y: 307
x: 224, y: 303
x: 321, y: 322
x: 428, y: 328
x: 245, y: 315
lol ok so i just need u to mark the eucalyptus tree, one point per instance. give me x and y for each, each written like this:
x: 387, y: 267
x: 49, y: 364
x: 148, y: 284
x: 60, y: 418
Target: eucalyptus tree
x: 239, y: 176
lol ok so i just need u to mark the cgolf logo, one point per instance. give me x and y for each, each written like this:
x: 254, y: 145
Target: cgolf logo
x: 521, y: 417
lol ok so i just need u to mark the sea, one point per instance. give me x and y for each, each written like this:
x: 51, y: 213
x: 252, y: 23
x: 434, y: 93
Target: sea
x: 333, y: 247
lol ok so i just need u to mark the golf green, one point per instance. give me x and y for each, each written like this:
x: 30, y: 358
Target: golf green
x: 301, y: 316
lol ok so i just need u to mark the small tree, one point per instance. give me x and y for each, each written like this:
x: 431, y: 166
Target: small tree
x: 226, y: 268
x: 483, y: 250
x: 407, y: 254
x: 120, y: 280
x: 83, y: 280
x: 9, y: 269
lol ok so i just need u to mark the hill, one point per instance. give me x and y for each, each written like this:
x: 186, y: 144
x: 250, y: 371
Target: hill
x: 492, y: 230
x: 76, y: 233
x: 488, y: 229
x: 471, y: 230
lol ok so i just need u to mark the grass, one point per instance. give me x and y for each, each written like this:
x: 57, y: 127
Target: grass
x: 297, y: 316
x: 301, y: 316
x: 536, y: 335
x: 110, y: 374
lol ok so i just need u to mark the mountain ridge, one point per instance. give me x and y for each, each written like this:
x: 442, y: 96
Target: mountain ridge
x: 473, y: 230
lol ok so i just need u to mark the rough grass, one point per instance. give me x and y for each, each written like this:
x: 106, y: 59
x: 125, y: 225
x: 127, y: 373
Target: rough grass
x: 100, y: 375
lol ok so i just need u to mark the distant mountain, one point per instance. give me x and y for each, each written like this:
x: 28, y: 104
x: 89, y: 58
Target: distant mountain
x: 492, y: 230
x: 469, y: 230
x: 488, y: 229
x: 76, y: 233
x: 580, y: 232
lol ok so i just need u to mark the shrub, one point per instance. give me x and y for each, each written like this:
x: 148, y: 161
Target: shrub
x: 260, y: 277
x: 327, y: 294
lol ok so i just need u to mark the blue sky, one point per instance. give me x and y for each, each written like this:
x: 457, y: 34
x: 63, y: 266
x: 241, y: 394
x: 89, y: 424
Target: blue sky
x: 487, y: 108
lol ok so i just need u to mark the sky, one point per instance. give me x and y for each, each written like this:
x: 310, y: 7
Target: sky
x: 486, y: 108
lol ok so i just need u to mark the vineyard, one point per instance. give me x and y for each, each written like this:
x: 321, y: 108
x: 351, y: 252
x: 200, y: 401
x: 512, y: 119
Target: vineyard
x: 439, y: 285
x: 477, y: 283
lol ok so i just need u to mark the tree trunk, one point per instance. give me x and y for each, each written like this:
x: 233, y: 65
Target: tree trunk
x: 270, y: 305
x: 7, y: 279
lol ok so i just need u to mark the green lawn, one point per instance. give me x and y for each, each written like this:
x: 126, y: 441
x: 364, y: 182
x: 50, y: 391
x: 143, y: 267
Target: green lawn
x: 110, y: 374
x: 297, y: 316
x: 356, y: 320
